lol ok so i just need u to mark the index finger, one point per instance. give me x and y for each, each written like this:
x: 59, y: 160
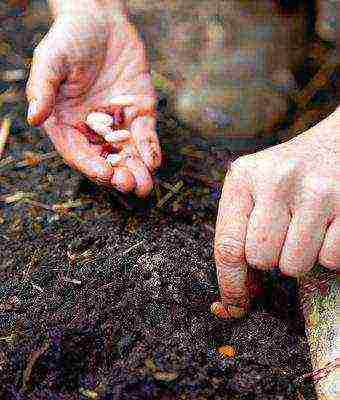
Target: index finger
x: 235, y: 207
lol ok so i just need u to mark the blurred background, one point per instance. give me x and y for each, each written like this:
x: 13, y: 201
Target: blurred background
x: 225, y: 69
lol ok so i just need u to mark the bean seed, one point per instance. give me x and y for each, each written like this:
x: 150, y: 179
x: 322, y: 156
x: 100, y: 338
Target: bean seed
x: 99, y: 121
x: 117, y: 136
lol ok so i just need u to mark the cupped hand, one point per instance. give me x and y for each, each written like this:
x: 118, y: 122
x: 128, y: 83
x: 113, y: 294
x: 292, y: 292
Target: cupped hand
x: 88, y: 61
x: 279, y: 208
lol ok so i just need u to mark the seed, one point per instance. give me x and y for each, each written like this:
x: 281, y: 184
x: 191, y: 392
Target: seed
x: 227, y: 351
x: 99, y: 121
x: 115, y: 111
x: 114, y: 159
x: 117, y: 136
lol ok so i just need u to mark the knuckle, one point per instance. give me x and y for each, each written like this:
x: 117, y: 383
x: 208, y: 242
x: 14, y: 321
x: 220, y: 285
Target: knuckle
x: 329, y: 262
x: 242, y: 169
x: 259, y: 261
x: 294, y: 270
x: 240, y: 164
x: 228, y: 251
x: 319, y: 187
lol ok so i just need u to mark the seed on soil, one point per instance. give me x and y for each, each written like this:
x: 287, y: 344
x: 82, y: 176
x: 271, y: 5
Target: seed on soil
x: 118, y: 136
x: 114, y: 159
x: 227, y: 351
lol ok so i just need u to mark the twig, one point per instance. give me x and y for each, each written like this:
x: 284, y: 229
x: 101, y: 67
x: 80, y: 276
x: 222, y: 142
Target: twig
x: 69, y: 280
x: 303, y: 97
x: 321, y: 373
x: 31, y: 265
x: 61, y: 207
x: 175, y: 189
x: 5, y: 162
x: 132, y: 248
x: 30, y: 160
x: 4, y: 133
x: 107, y: 286
x: 16, y: 197
x: 86, y: 255
x: 40, y: 289
x: 39, y: 204
x: 69, y: 205
x: 33, y: 159
x: 34, y: 357
x: 9, y: 338
x: 13, y: 75
x: 317, y: 82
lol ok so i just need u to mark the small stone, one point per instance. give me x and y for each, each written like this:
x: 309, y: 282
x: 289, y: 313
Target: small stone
x: 165, y: 376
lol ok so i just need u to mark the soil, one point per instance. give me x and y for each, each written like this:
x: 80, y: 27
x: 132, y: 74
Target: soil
x: 103, y: 296
x: 126, y: 314
x: 111, y: 299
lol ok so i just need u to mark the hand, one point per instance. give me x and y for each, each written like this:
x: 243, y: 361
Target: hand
x: 280, y: 207
x: 91, y: 59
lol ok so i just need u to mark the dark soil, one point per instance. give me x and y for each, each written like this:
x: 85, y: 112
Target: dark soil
x: 133, y: 320
x: 110, y: 300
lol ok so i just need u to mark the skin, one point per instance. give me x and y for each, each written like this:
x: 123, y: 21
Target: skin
x: 92, y: 57
x: 279, y: 207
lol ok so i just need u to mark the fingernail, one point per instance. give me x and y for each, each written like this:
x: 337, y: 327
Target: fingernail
x: 32, y: 109
x: 230, y: 311
x: 218, y: 310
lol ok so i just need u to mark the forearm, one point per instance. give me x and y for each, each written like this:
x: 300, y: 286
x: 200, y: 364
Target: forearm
x: 59, y: 7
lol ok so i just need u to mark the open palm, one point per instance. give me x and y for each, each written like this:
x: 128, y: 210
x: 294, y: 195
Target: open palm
x: 84, y: 64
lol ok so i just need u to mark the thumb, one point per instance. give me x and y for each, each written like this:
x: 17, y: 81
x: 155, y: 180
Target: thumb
x: 47, y: 73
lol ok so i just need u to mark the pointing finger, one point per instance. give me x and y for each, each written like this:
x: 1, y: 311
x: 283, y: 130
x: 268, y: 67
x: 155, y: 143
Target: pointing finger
x: 234, y: 210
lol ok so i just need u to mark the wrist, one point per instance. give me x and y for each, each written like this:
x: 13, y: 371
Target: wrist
x: 98, y: 8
